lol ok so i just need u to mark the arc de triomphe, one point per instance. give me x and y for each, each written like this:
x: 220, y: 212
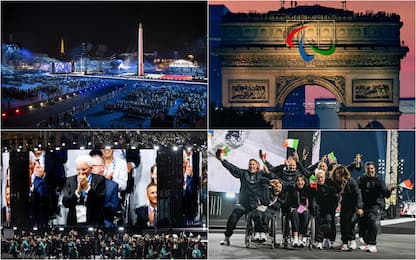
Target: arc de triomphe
x: 354, y: 56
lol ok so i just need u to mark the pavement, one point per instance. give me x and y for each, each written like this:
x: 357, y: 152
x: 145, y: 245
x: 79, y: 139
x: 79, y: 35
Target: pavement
x: 98, y: 117
x: 30, y: 119
x: 390, y: 246
x: 395, y: 241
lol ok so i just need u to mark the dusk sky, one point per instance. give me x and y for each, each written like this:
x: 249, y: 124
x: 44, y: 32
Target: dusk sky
x: 406, y: 10
x: 39, y: 26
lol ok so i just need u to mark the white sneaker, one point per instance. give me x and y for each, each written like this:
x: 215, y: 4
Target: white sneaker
x: 361, y: 240
x: 372, y: 248
x: 226, y: 241
x: 326, y: 243
x: 285, y: 242
x: 344, y: 247
x: 303, y: 242
x: 318, y: 245
x: 352, y: 244
x: 256, y: 236
x: 364, y: 247
x: 295, y: 242
x: 263, y: 236
x: 331, y: 244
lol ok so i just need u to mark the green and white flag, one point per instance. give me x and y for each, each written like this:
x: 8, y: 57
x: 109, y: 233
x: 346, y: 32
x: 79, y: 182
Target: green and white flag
x: 291, y: 143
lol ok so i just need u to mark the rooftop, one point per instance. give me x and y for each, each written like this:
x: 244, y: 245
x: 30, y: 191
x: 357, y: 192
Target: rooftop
x: 311, y: 12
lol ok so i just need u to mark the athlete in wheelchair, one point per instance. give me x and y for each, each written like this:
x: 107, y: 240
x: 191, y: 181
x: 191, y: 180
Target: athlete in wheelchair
x: 300, y: 217
x: 249, y: 192
x: 262, y: 222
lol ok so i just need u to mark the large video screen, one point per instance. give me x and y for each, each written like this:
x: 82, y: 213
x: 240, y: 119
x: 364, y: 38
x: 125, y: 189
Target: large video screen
x: 61, y: 67
x: 104, y: 188
x: 81, y: 187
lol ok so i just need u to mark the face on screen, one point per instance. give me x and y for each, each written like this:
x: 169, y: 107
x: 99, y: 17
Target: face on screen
x: 83, y: 169
x: 152, y: 195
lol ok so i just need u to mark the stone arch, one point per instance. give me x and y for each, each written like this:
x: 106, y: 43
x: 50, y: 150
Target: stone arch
x: 374, y: 125
x: 335, y: 85
x: 353, y: 73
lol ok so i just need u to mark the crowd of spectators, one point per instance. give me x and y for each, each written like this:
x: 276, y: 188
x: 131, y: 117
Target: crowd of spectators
x: 150, y: 138
x: 103, y: 244
x: 149, y: 99
x: 183, y: 105
x: 143, y: 139
x: 18, y: 93
x: 31, y: 86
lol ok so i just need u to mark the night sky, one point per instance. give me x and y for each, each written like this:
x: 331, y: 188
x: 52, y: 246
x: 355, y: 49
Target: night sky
x: 167, y: 26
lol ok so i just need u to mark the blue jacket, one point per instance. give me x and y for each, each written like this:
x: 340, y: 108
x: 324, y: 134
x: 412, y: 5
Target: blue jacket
x: 111, y: 202
x: 39, y: 202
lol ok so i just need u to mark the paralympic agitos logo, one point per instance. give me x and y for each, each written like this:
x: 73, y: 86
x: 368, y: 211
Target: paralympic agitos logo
x: 303, y: 54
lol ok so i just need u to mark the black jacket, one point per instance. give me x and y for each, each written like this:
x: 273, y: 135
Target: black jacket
x: 267, y: 197
x: 94, y: 200
x: 132, y: 155
x: 351, y: 196
x: 250, y: 185
x: 142, y: 217
x: 311, y: 168
x: 287, y: 177
x: 373, y: 190
x: 325, y: 197
x: 296, y: 196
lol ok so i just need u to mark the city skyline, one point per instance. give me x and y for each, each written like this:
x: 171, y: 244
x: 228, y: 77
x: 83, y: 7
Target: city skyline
x: 106, y: 24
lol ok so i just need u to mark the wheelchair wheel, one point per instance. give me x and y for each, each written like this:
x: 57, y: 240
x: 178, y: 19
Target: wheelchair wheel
x: 249, y: 231
x: 272, y: 231
x: 285, y: 225
x: 312, y: 232
x: 247, y: 239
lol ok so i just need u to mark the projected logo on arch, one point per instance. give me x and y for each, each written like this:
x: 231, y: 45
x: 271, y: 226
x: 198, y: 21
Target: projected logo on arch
x: 303, y: 54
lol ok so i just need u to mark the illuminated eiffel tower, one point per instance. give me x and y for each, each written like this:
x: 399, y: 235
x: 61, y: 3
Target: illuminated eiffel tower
x: 62, y: 49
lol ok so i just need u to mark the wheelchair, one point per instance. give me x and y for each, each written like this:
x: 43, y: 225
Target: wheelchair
x: 286, y: 227
x: 271, y: 232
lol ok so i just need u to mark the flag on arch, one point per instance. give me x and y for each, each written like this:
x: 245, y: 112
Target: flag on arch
x: 291, y: 143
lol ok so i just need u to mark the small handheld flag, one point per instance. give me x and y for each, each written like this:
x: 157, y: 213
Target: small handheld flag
x: 313, y: 183
x: 291, y: 143
x: 263, y: 156
x: 332, y: 158
x: 225, y: 150
x: 406, y: 184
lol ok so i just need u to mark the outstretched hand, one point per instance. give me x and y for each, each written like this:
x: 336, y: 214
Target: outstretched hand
x: 218, y: 154
x: 305, y: 154
x: 262, y: 155
x: 296, y: 156
x: 392, y: 187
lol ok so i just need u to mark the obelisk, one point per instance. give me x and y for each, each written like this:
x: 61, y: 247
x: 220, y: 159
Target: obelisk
x: 140, y: 71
